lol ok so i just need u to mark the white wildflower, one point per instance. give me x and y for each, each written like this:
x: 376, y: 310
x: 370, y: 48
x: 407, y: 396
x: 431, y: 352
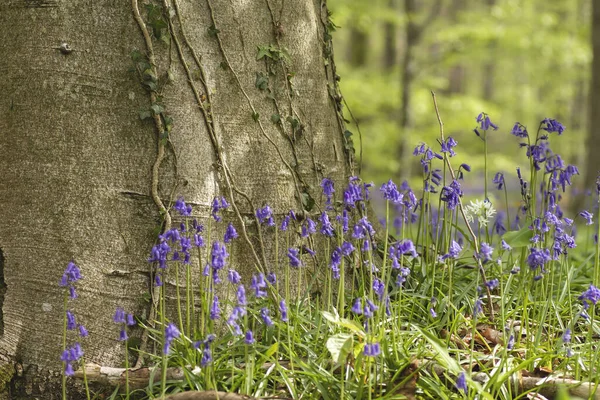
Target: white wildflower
x: 480, y: 209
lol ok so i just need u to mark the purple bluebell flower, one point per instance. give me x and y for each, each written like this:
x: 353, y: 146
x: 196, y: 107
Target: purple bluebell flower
x: 407, y: 246
x: 372, y: 349
x: 369, y: 308
x: 378, y: 288
x: 448, y: 145
x: 453, y: 251
x: 293, y: 255
x: 511, y: 342
x: 71, y: 324
x: 218, y: 204
x: 308, y: 228
x: 171, y: 333
x: 218, y: 256
x: 272, y: 278
x: 451, y: 194
x: 123, y: 334
x: 326, y: 226
x: 357, y: 307
x: 498, y: 180
x: 485, y: 123
x: 328, y: 191
x: 336, y: 259
x: 390, y: 192
x: 185, y: 210
x: 538, y: 257
x: 71, y: 275
x: 461, y: 383
x: 82, y: 331
x: 587, y: 216
x: 519, y: 130
x: 230, y: 233
x: 343, y: 220
x: 485, y: 252
x: 249, y: 338
x: 215, y: 309
x: 553, y: 125
x: 401, y: 278
x: 477, y: 307
x: 283, y: 310
x: 505, y: 246
x: 265, y: 216
x: 285, y: 223
x: 264, y: 314
x: 363, y: 229
x: 206, y: 357
x: 592, y: 294
x: 241, y: 295
x: 234, y: 277
x: 492, y: 284
x: 347, y: 248
x: 258, y: 284
x: 566, y: 337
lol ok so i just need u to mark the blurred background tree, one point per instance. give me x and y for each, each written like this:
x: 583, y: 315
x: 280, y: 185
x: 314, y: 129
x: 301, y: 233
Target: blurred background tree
x: 516, y: 60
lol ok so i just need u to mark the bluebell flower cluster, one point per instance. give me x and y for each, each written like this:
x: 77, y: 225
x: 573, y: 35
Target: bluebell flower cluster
x: 171, y: 333
x: 218, y: 204
x: 70, y: 356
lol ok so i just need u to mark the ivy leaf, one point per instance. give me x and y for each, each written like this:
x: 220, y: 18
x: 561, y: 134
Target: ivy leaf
x: 255, y: 116
x: 262, y: 81
x: 275, y: 118
x: 157, y: 109
x: 213, y: 31
x: 293, y: 121
x: 307, y: 201
x: 264, y: 51
x: 145, y: 114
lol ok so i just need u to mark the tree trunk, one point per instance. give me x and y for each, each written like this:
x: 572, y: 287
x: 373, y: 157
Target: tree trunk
x: 82, y: 175
x: 390, y: 42
x: 592, y: 166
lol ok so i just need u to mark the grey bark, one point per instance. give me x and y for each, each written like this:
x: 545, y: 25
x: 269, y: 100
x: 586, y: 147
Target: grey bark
x: 592, y: 165
x: 76, y: 160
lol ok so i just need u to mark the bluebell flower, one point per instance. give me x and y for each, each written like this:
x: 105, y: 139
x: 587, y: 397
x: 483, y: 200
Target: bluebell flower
x: 71, y: 274
x: 401, y: 278
x: 453, y: 251
x: 347, y: 248
x: 215, y: 309
x: 390, y: 192
x: 159, y: 254
x: 123, y: 334
x: 566, y: 337
x: 343, y: 220
x: 419, y: 150
x: 552, y: 125
x: 448, y: 144
x: 285, y: 223
x: 264, y: 314
x: 293, y: 255
x: 71, y: 324
x: 511, y: 342
x: 378, y: 288
x: 519, y: 130
x: 498, y: 180
x: 218, y: 204
x: 234, y: 277
x: 230, y: 234
x: 461, y: 383
x: 369, y: 308
x: 328, y: 191
x: 171, y: 333
x: 265, y: 216
x: 363, y: 229
x: 336, y: 259
x: 492, y: 284
x: 505, y: 246
x: 258, y: 284
x: 272, y: 278
x: 538, y: 257
x: 357, y: 307
x: 308, y: 228
x: 372, y: 349
x: 283, y: 310
x: 241, y: 295
x: 407, y: 246
x: 184, y: 210
x: 485, y: 123
x: 326, y: 226
x: 206, y: 357
x: 82, y: 331
x: 249, y: 338
x: 451, y: 194
x: 477, y: 307
x: 218, y: 256
x: 592, y: 294
x: 485, y: 252
x: 587, y: 216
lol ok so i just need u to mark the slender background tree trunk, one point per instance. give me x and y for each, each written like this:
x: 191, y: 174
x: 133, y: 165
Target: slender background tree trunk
x: 77, y: 161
